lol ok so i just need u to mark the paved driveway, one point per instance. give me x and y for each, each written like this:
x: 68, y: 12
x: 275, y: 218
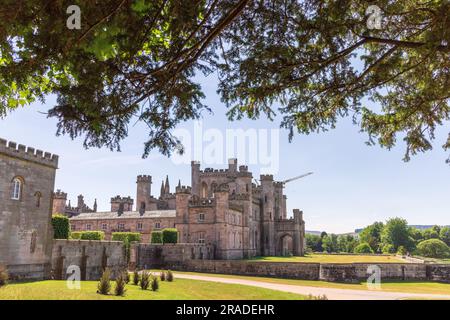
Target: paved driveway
x: 331, y: 293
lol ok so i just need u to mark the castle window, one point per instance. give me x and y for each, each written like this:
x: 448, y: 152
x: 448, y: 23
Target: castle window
x: 246, y: 187
x: 201, y: 237
x: 265, y: 199
x: 139, y: 226
x: 204, y: 190
x: 38, y: 197
x: 157, y: 225
x: 121, y: 226
x: 73, y: 227
x: 104, y: 226
x: 88, y: 227
x: 17, y: 185
x: 201, y: 217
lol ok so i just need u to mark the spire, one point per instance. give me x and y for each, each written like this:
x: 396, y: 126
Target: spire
x: 179, y: 183
x: 167, y: 187
x: 95, y: 205
x: 162, y: 189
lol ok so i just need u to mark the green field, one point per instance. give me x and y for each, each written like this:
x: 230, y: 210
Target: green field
x: 182, y: 289
x: 391, y: 286
x: 332, y: 258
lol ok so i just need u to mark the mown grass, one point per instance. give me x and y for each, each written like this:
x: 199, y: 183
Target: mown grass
x: 179, y: 289
x: 387, y: 285
x: 332, y: 258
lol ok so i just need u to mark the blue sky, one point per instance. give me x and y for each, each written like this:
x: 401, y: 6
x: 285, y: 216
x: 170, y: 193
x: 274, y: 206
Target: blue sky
x: 352, y: 186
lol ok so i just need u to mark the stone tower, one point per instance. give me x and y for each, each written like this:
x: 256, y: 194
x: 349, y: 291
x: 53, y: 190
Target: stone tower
x: 59, y: 202
x: 268, y: 215
x: 143, y: 192
x: 195, y: 177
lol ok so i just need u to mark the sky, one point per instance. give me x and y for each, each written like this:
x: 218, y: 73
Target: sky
x: 352, y: 185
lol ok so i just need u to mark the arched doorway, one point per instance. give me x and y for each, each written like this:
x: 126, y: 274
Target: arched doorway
x: 286, y: 245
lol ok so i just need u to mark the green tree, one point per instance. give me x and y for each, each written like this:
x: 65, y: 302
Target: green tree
x: 138, y: 60
x: 433, y: 248
x: 430, y: 233
x: 416, y: 234
x: 396, y: 233
x: 329, y: 243
x: 372, y: 235
x: 346, y: 243
x: 314, y: 242
x: 363, y: 247
x: 444, y: 235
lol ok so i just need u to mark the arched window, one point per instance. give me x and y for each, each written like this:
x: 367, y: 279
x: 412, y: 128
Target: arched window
x: 204, y: 190
x: 17, y: 186
x: 38, y: 197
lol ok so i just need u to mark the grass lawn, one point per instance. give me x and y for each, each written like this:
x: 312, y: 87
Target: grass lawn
x: 332, y: 258
x: 392, y: 286
x: 182, y: 289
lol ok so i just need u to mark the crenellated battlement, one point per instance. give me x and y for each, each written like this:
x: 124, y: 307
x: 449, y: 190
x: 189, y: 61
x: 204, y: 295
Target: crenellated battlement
x: 20, y: 151
x: 278, y: 184
x: 122, y: 199
x: 59, y: 195
x: 266, y: 177
x: 144, y: 178
x: 240, y: 196
x: 183, y: 189
x: 201, y: 202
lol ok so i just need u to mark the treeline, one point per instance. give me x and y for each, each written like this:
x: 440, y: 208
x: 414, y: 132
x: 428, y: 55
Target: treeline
x: 394, y: 236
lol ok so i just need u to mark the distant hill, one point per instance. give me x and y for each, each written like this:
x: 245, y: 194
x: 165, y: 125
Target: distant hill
x: 417, y: 226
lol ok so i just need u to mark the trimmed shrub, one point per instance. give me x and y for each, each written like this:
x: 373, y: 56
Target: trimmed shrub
x: 157, y: 237
x: 3, y: 276
x: 145, y: 280
x: 126, y: 236
x: 61, y: 226
x: 136, y: 277
x: 162, y: 276
x: 127, y: 276
x: 170, y: 235
x: 104, y: 285
x: 155, y: 284
x: 87, y: 235
x: 433, y: 248
x: 120, y: 290
x: 169, y: 276
x: 363, y: 248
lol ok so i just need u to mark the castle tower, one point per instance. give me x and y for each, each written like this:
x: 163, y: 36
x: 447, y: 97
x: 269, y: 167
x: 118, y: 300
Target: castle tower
x: 183, y: 194
x: 222, y: 243
x: 268, y: 242
x: 122, y: 204
x: 232, y: 165
x: 143, y: 192
x: 299, y: 234
x: 195, y: 178
x: 59, y: 202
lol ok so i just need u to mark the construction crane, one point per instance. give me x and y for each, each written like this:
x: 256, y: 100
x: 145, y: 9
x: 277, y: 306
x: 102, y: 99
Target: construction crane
x: 291, y: 179
x: 296, y: 178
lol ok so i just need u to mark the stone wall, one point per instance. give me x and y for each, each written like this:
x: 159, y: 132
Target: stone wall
x: 351, y: 272
x: 91, y: 256
x: 25, y: 229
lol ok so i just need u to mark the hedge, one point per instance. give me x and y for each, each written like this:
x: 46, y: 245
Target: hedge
x: 61, y: 226
x: 157, y: 237
x: 170, y: 235
x: 88, y: 235
x: 363, y: 248
x: 126, y: 236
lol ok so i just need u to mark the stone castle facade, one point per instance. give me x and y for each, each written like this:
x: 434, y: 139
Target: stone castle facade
x: 27, y: 178
x: 221, y: 208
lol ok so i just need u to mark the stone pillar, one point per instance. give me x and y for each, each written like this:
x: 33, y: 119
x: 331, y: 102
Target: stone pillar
x: 299, y: 233
x: 195, y: 177
x: 268, y: 203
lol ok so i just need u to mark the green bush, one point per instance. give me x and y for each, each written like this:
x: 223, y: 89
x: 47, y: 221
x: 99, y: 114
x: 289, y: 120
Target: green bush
x: 145, y: 280
x: 155, y: 284
x: 363, y: 248
x: 136, y: 277
x: 104, y: 285
x: 120, y: 290
x: 170, y: 235
x: 388, y: 248
x: 61, y: 226
x: 3, y: 276
x: 157, y: 237
x: 169, y: 276
x: 87, y: 235
x: 433, y: 248
x: 402, y: 251
x: 126, y: 236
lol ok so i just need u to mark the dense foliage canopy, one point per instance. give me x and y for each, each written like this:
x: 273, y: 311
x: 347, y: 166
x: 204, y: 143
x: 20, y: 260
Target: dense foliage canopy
x: 309, y: 61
